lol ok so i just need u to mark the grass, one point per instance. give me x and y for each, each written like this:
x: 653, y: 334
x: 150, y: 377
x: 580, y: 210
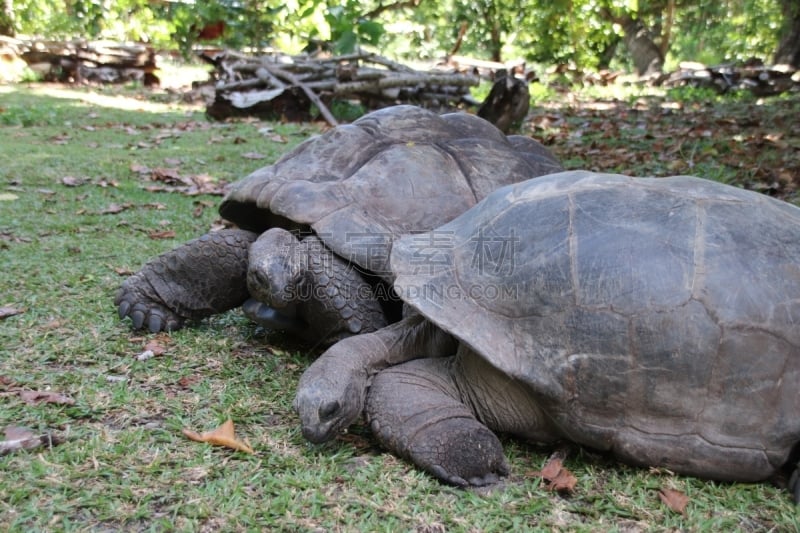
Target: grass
x: 125, y: 464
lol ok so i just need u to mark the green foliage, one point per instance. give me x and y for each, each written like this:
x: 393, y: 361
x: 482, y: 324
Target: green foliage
x: 577, y: 32
x: 136, y: 20
x: 348, y: 27
x: 716, y: 32
x: 246, y: 24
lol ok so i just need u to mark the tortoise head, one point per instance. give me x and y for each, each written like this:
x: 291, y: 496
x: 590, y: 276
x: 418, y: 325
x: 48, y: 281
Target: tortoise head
x: 276, y: 272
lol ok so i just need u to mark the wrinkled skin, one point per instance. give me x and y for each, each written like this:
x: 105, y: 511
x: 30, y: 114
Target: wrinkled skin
x: 332, y: 393
x: 200, y: 278
x: 325, y: 217
x: 633, y: 316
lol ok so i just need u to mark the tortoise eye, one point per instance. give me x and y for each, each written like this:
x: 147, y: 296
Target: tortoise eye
x: 328, y: 410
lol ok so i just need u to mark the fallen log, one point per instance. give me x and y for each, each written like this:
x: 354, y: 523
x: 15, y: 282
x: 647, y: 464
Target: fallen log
x: 270, y: 85
x: 80, y: 60
x: 754, y: 76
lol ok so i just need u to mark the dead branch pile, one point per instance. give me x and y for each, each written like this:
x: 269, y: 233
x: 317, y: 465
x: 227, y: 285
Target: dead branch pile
x: 278, y: 85
x: 95, y: 61
x: 762, y: 80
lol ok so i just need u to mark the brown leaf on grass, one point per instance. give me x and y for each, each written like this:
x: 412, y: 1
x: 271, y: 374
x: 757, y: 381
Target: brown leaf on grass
x: 72, y: 181
x: 154, y: 348
x: 187, y: 381
x: 565, y: 481
x: 222, y: 436
x: 167, y: 175
x: 674, y: 499
x: 551, y: 469
x: 253, y: 155
x: 121, y: 271
x: 104, y: 183
x: 17, y: 432
x: 6, y: 383
x: 140, y: 169
x: 33, y: 397
x: 558, y: 478
x: 62, y: 138
x: 158, y: 344
x: 113, y: 209
x: 277, y: 138
x: 200, y: 206
x: 9, y: 311
x: 161, y: 234
x: 19, y: 438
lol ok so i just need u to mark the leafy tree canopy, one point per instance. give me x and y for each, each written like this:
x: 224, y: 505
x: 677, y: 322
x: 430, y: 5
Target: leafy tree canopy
x: 584, y: 33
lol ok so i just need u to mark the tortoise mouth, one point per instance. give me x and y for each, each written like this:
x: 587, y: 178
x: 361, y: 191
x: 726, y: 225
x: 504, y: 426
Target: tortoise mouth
x: 271, y: 318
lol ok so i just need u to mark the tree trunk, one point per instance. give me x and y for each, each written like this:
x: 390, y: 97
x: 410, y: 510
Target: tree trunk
x: 789, y: 46
x: 492, y: 19
x: 7, y: 18
x: 666, y: 30
x: 647, y: 58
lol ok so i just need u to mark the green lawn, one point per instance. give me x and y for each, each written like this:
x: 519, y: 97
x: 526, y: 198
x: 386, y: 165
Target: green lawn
x: 76, y: 217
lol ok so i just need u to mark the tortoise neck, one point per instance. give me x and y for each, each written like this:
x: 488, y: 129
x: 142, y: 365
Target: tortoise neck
x: 501, y: 402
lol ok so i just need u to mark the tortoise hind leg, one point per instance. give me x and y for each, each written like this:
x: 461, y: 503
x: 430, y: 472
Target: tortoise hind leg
x: 203, y: 277
x: 415, y: 411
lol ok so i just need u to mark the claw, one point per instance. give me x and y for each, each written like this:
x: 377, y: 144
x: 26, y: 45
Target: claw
x: 489, y: 479
x: 137, y: 317
x: 154, y: 324
x: 123, y: 308
x: 447, y: 477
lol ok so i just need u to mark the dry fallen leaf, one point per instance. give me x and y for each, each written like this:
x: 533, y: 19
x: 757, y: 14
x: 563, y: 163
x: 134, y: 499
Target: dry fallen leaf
x: 121, y: 271
x: 253, y: 155
x: 113, y: 209
x: 140, y: 169
x: 6, y: 383
x: 222, y: 436
x: 17, y: 433
x: 558, y: 478
x: 20, y: 438
x: 8, y: 311
x: 188, y: 381
x: 167, y: 175
x: 674, y: 499
x: 161, y: 234
x: 72, y: 181
x: 157, y: 345
x: 277, y: 138
x: 34, y: 397
x: 552, y: 468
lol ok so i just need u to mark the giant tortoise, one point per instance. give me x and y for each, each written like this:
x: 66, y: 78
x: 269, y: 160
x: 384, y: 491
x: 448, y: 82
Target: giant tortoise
x: 316, y: 228
x: 657, y: 319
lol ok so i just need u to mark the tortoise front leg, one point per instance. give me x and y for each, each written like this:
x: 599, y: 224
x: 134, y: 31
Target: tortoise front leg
x: 203, y: 277
x: 415, y: 411
x: 794, y: 484
x: 332, y: 391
